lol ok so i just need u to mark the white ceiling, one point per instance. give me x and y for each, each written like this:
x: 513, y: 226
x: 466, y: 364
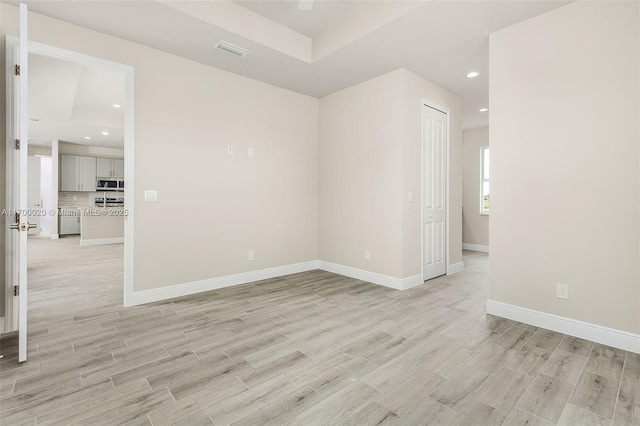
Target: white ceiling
x: 69, y: 102
x: 333, y: 46
x: 324, y: 16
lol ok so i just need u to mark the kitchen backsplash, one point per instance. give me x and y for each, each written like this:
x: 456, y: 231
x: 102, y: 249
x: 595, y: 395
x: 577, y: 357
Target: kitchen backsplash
x: 83, y: 199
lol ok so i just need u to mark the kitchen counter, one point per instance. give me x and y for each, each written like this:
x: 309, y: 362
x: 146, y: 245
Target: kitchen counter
x: 102, y: 225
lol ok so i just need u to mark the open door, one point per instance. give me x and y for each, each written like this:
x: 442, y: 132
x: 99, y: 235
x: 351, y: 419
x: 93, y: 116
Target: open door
x: 434, y: 163
x: 17, y: 206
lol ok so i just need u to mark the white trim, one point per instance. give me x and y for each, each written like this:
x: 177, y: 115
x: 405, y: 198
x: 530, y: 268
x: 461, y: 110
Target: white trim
x: 56, y: 52
x: 372, y: 277
x: 482, y: 180
x: 426, y: 103
x: 411, y: 282
x: 455, y: 268
x: 55, y: 166
x: 23, y: 125
x: 172, y: 291
x: 185, y: 289
x: 475, y: 247
x: 129, y: 193
x: 101, y: 241
x: 11, y: 308
x: 584, y: 330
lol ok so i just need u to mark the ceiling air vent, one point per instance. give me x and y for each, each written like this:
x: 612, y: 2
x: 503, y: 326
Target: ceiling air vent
x: 232, y: 48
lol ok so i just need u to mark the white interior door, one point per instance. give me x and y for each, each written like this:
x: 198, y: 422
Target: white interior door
x: 23, y: 120
x: 17, y: 188
x: 435, y: 141
x: 34, y: 196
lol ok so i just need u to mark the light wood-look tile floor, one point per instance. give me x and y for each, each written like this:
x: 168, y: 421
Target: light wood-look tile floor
x: 313, y: 348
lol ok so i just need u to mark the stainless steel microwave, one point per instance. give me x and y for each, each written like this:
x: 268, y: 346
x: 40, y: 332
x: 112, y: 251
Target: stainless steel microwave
x: 110, y: 185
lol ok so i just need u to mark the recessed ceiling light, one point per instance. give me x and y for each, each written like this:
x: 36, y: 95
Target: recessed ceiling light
x: 483, y: 109
x: 116, y: 106
x: 87, y: 137
x: 105, y: 133
x: 472, y: 74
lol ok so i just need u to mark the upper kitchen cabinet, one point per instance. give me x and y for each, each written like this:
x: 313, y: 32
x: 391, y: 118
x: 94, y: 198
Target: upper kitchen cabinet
x: 77, y: 173
x: 110, y: 167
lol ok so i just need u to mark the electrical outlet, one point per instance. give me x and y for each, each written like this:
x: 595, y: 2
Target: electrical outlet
x: 251, y: 152
x: 367, y: 255
x: 562, y: 291
x: 230, y: 149
x: 251, y: 255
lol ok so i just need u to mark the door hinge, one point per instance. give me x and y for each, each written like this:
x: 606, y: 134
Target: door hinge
x: 17, y: 143
x: 16, y: 290
x: 17, y: 69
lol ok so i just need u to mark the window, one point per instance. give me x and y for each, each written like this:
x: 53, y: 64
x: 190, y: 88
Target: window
x: 484, y: 180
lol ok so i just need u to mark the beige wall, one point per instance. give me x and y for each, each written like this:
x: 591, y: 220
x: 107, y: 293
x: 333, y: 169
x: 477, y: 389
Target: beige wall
x: 39, y: 150
x: 475, y: 226
x: 361, y: 175
x: 565, y: 163
x: 212, y: 207
x: 90, y: 151
x: 76, y: 149
x: 100, y: 227
x: 370, y: 159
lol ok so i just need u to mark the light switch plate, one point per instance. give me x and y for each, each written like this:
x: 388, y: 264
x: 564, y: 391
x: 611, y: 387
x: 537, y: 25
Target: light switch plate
x: 150, y: 195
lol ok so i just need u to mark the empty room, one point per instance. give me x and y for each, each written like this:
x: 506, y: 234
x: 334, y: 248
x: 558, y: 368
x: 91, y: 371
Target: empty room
x: 317, y: 212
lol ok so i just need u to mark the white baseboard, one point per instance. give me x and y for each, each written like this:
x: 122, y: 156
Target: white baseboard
x: 172, y: 291
x: 475, y: 247
x: 372, y: 277
x: 455, y: 268
x: 102, y: 241
x: 411, y: 282
x: 55, y: 236
x: 584, y: 330
x: 185, y: 289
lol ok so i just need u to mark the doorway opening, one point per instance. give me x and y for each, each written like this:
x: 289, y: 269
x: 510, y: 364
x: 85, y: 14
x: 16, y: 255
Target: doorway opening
x: 80, y: 133
x: 71, y: 111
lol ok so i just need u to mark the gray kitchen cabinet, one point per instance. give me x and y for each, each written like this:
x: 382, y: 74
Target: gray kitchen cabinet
x: 110, y: 167
x: 77, y: 173
x: 69, y: 221
x: 118, y: 168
